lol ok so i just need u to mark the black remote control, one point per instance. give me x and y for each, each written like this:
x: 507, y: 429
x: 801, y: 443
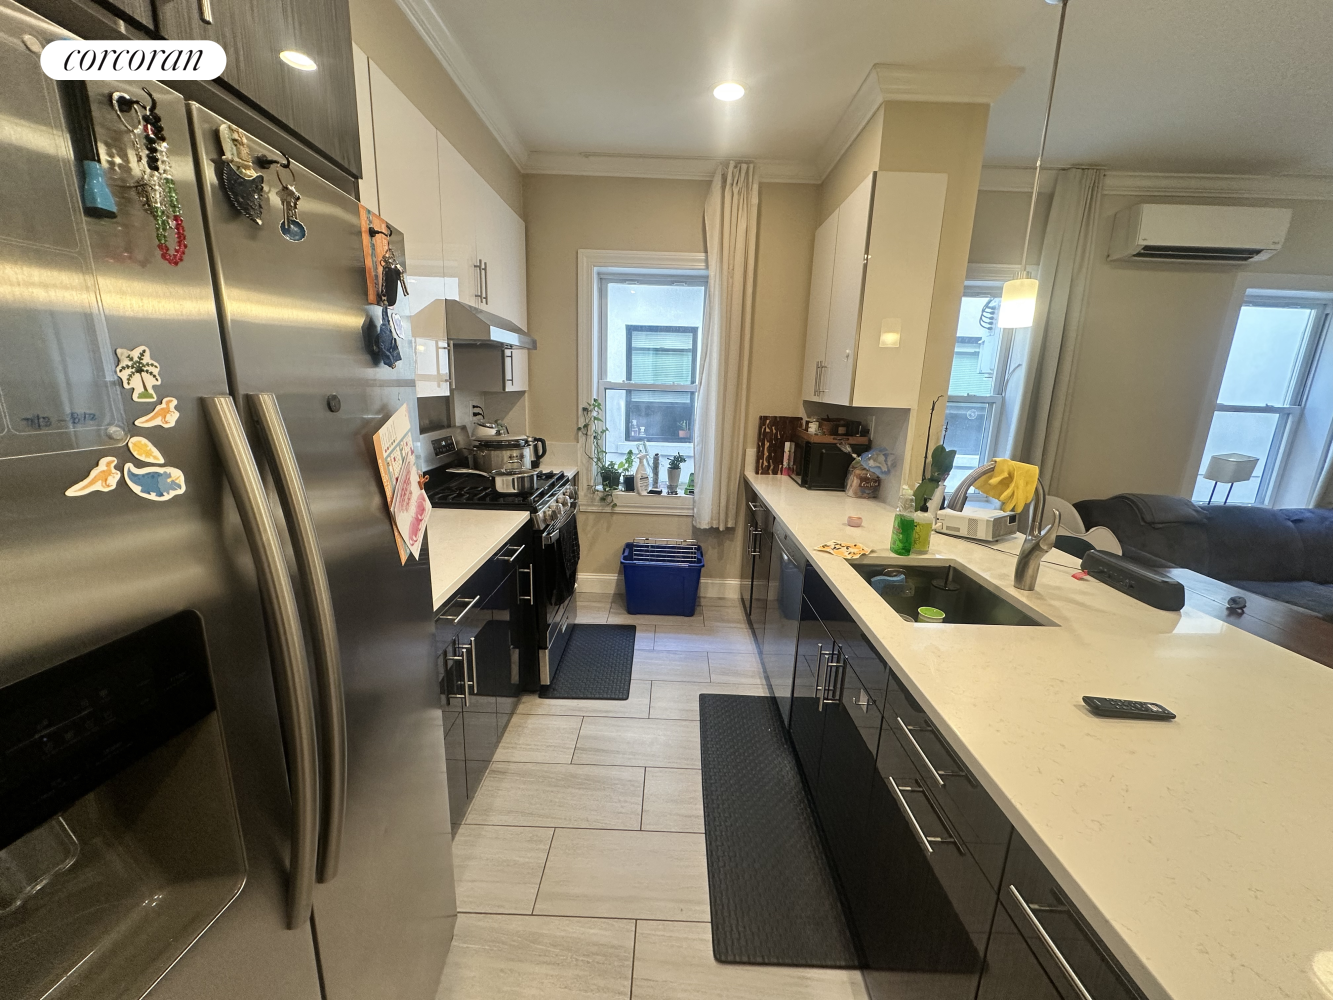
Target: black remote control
x: 1119, y: 708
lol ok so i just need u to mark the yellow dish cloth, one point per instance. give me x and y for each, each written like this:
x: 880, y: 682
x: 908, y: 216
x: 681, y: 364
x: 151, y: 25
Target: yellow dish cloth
x: 1012, y: 483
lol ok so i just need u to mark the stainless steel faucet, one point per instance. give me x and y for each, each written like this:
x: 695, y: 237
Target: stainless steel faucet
x: 1036, y: 543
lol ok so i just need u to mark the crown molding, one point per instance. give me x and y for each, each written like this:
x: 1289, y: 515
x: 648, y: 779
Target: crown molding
x: 661, y: 167
x: 441, y: 41
x: 892, y: 82
x: 1149, y: 184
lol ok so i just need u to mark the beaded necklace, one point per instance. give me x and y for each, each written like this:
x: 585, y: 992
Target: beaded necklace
x: 157, y: 189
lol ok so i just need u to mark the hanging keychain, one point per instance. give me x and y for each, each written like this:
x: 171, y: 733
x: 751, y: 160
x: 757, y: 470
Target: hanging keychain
x: 242, y: 182
x: 291, y: 227
x: 157, y: 188
x: 391, y: 277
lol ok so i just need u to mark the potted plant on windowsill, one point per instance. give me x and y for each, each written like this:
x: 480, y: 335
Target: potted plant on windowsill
x: 673, y: 472
x: 593, y: 433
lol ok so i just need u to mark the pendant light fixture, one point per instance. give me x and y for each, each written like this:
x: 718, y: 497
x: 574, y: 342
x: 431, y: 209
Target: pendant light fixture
x: 1018, y: 301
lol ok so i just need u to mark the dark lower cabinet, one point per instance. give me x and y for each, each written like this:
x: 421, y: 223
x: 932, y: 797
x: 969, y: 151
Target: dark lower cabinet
x: 759, y: 542
x: 479, y: 638
x: 944, y: 898
x: 781, y: 617
x: 318, y: 105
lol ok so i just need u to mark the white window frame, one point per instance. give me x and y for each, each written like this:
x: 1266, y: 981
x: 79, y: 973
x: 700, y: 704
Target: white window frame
x: 592, y: 365
x: 1251, y: 289
x: 994, y: 275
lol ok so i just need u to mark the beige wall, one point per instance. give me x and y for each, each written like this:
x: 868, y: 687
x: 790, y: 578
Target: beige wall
x: 384, y: 33
x: 998, y: 225
x: 857, y: 160
x: 566, y: 214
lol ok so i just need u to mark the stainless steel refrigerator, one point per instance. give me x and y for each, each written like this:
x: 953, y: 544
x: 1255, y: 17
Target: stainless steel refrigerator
x: 219, y: 710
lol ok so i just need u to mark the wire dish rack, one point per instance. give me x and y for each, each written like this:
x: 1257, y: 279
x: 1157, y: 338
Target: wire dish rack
x: 665, y: 550
x: 662, y: 575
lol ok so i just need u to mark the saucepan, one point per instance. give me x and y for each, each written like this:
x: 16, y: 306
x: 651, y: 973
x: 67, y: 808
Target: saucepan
x: 510, y: 480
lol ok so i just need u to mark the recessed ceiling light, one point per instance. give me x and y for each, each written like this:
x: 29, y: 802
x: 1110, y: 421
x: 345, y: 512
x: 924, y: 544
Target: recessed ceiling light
x: 729, y: 91
x: 297, y: 60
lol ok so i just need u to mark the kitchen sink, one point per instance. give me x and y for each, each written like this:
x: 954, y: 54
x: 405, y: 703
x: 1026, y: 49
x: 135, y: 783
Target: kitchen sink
x: 974, y: 602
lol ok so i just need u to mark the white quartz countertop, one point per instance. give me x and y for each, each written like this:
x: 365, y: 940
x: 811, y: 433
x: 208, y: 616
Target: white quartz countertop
x: 1201, y: 850
x: 461, y: 540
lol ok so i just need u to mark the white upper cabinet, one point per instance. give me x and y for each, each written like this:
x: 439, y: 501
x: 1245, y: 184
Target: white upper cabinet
x: 821, y: 288
x: 459, y: 219
x: 874, y: 273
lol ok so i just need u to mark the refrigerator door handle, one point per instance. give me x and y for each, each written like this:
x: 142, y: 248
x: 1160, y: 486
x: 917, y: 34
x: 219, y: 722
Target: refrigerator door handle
x: 319, y: 602
x: 286, y: 645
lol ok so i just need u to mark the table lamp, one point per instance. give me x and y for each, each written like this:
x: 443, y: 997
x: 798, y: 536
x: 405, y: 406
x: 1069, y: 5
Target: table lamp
x: 1230, y: 468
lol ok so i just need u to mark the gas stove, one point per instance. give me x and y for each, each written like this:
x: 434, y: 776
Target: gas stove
x: 555, y: 494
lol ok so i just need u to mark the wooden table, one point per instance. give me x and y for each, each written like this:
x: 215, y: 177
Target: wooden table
x: 1288, y: 626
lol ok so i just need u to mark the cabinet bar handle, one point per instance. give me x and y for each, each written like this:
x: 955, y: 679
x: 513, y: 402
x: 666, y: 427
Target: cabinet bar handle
x: 460, y: 658
x: 923, y: 839
x: 510, y: 556
x: 530, y: 596
x: 459, y: 617
x: 485, y: 284
x: 477, y: 294
x: 837, y: 660
x: 756, y: 536
x: 921, y: 754
x: 819, y: 677
x: 206, y: 11
x: 472, y: 650
x: 1060, y: 960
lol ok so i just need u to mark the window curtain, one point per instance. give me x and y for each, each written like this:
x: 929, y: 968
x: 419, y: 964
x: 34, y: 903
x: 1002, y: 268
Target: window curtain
x: 731, y: 221
x: 1051, y: 357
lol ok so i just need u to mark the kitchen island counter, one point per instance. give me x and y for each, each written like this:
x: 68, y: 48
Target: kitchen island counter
x: 461, y: 540
x: 1197, y: 849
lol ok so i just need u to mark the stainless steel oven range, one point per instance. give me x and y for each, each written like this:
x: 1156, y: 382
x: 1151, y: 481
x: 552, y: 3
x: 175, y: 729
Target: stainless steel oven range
x: 553, y: 506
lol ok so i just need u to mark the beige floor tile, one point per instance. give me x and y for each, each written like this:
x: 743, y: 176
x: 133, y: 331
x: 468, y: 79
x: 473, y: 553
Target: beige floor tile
x: 612, y: 873
x: 709, y: 638
x: 540, y: 739
x: 641, y: 742
x: 538, y: 958
x: 609, y: 798
x: 674, y: 961
x: 672, y: 700
x: 644, y: 637
x: 498, y: 868
x: 735, y: 668
x: 673, y: 799
x: 594, y: 615
x: 635, y: 707
x: 690, y: 665
x: 728, y: 612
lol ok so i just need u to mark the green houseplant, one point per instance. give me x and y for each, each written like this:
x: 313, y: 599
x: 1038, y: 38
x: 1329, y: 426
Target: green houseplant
x: 593, y: 433
x: 673, y: 471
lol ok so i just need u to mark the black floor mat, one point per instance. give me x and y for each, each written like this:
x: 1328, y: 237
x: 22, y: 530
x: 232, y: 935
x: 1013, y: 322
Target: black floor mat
x: 597, y: 663
x: 771, y: 891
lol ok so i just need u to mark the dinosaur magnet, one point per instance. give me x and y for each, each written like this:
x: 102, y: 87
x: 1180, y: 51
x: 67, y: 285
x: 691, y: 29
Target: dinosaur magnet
x: 102, y: 479
x: 159, y: 483
x: 138, y: 371
x: 164, y: 414
x: 142, y: 449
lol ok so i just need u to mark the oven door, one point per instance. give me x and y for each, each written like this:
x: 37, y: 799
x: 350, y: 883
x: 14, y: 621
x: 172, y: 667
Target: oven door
x: 558, y: 579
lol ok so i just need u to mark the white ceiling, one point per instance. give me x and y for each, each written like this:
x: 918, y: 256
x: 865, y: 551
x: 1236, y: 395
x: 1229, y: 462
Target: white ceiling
x: 1201, y: 86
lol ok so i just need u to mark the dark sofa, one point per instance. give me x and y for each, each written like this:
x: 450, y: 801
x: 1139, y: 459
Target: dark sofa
x: 1286, y: 555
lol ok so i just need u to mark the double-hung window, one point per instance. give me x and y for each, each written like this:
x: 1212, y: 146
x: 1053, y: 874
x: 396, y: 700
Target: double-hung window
x: 976, y: 381
x: 647, y: 357
x: 1264, y: 387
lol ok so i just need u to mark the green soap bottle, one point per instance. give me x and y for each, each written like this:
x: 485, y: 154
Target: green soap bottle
x: 904, y: 524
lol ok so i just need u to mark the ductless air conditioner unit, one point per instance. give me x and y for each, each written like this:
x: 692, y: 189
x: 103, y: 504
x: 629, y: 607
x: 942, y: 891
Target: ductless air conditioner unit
x: 1205, y: 234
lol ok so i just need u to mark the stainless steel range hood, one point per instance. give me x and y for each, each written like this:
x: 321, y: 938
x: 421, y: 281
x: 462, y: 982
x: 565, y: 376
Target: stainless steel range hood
x: 465, y: 324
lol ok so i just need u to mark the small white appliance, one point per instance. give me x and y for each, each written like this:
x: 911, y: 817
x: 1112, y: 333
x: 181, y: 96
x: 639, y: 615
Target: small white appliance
x: 981, y: 523
x: 1201, y: 234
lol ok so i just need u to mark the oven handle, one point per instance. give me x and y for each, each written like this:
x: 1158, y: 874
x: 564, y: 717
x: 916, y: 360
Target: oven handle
x: 553, y: 532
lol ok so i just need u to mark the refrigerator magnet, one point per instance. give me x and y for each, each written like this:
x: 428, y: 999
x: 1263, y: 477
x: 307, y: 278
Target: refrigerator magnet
x: 142, y: 449
x: 160, y: 483
x: 138, y: 371
x: 102, y: 479
x: 164, y: 414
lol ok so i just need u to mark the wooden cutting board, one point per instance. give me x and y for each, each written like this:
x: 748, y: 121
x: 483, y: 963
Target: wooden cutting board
x: 774, y: 432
